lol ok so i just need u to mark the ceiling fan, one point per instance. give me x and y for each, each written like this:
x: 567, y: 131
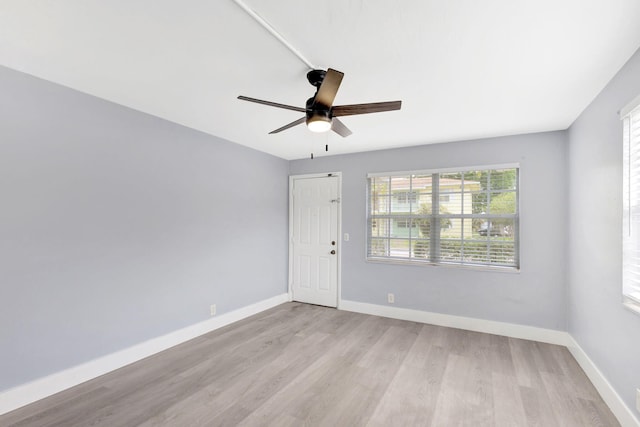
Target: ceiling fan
x: 320, y: 113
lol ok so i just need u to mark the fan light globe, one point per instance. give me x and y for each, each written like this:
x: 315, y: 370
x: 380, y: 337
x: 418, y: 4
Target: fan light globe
x: 319, y: 123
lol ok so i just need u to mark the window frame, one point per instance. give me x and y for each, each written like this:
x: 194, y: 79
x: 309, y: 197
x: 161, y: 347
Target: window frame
x: 431, y: 261
x: 630, y: 147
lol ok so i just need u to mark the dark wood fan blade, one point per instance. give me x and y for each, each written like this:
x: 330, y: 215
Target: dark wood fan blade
x: 338, y: 127
x: 373, y: 107
x: 272, y: 104
x: 290, y: 125
x: 329, y: 88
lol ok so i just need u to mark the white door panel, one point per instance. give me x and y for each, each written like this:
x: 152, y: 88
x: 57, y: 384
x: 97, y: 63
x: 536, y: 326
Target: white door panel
x: 315, y: 236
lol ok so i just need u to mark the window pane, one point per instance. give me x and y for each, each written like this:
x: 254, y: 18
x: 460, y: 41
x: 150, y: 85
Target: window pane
x: 422, y: 182
x: 400, y: 194
x: 380, y: 227
x: 380, y: 185
x: 452, y: 204
x: 380, y: 204
x: 423, y: 226
x: 415, y: 230
x: 501, y: 252
x: 422, y: 206
x: 401, y: 227
x: 399, y: 248
x: 421, y: 249
x: 477, y: 180
x: 478, y: 225
x: 475, y: 251
x: 379, y: 247
x: 450, y: 183
x: 400, y: 202
x: 450, y: 193
x: 497, y: 227
x: 481, y: 177
x: 473, y: 181
x: 450, y: 250
x: 422, y: 189
x: 503, y: 179
x: 379, y: 196
x: 452, y: 228
x: 502, y: 202
x: 479, y: 202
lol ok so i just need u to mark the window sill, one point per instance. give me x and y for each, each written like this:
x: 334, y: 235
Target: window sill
x: 631, y: 306
x: 493, y: 269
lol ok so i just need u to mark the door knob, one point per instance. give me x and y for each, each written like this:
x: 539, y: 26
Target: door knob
x: 333, y: 252
x: 333, y: 243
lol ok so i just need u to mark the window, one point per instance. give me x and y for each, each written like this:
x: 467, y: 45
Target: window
x: 631, y: 205
x: 463, y: 217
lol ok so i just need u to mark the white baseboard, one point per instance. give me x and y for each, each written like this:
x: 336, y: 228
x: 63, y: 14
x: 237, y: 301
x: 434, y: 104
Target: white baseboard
x: 51, y: 384
x: 622, y: 412
x: 468, y: 323
x: 35, y: 390
x: 624, y: 415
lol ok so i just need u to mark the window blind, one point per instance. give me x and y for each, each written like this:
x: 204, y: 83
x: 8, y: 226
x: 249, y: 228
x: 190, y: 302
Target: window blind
x: 631, y: 204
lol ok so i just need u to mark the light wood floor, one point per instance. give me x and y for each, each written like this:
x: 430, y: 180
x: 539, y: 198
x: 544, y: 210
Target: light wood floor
x: 300, y: 364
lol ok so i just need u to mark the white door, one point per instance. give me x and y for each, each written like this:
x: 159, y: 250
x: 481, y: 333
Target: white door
x: 314, y: 239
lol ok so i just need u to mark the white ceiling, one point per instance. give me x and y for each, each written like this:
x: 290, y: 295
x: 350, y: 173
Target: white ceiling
x: 464, y: 69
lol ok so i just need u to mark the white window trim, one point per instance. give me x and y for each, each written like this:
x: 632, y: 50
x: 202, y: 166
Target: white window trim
x: 408, y: 262
x: 445, y: 170
x: 624, y: 112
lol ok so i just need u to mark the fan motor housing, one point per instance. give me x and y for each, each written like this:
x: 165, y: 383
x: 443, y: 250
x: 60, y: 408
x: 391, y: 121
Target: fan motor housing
x: 315, y: 77
x: 311, y: 107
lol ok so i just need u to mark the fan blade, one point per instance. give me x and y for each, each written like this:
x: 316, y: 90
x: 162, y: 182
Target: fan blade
x: 290, y: 125
x: 338, y: 127
x: 328, y: 88
x: 272, y: 104
x: 373, y: 107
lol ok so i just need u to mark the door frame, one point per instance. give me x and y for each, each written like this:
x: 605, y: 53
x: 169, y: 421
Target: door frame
x: 292, y: 180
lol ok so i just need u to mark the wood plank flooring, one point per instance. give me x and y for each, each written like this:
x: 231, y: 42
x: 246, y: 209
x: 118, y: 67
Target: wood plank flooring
x: 304, y: 365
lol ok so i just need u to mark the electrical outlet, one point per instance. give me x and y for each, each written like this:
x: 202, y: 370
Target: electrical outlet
x: 212, y: 309
x: 391, y: 298
x: 638, y: 399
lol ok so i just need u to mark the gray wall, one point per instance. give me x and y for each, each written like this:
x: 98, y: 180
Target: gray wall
x: 117, y: 227
x: 597, y: 320
x: 535, y: 296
